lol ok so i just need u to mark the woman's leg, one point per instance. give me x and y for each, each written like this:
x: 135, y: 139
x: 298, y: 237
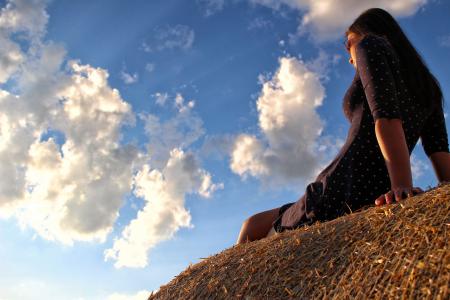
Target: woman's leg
x: 257, y: 226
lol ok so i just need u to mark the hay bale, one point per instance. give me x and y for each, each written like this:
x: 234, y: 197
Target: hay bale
x: 396, y: 251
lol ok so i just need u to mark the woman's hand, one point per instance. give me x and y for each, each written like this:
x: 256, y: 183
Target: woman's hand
x: 396, y: 194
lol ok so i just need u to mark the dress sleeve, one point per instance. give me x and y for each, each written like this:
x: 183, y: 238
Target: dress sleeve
x: 372, y: 61
x: 434, y: 133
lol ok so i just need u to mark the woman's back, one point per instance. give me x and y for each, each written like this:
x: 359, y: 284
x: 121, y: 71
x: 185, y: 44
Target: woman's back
x: 358, y: 174
x: 383, y: 88
x: 388, y: 96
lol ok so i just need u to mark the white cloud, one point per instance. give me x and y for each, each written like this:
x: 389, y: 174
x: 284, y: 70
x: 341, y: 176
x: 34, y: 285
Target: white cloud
x: 164, y: 212
x: 27, y: 17
x: 328, y: 19
x: 171, y: 173
x: 247, y: 156
x: 322, y: 63
x: 179, y: 103
x: 73, y: 190
x: 161, y: 98
x: 64, y: 169
x: 180, y: 131
x: 128, y: 78
x: 290, y: 146
x: 210, y: 7
x: 170, y: 37
x: 217, y: 146
x: 141, y: 295
x: 10, y: 59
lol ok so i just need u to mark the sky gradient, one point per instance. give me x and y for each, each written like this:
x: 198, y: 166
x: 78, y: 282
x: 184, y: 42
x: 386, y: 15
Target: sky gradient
x: 137, y: 136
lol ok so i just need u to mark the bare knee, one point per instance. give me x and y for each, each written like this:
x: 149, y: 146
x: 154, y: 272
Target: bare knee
x: 271, y: 232
x: 257, y: 226
x: 244, y: 234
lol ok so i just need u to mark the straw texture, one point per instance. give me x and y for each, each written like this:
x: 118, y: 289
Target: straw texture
x: 396, y: 251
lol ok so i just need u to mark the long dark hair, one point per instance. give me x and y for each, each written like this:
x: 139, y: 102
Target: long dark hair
x: 418, y: 77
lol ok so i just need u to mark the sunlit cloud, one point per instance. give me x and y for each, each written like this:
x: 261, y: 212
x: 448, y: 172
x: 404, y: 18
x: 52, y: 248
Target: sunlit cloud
x: 328, y: 19
x: 128, y: 78
x: 289, y: 148
x: 64, y: 166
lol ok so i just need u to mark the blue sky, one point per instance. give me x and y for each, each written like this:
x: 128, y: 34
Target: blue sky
x: 137, y: 137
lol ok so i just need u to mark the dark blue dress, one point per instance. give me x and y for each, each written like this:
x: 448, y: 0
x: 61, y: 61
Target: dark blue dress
x: 358, y: 174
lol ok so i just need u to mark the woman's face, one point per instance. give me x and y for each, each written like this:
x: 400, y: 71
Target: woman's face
x: 352, y: 40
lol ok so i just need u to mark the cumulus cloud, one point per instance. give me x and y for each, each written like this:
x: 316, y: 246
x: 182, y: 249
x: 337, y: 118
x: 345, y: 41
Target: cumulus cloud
x: 328, y: 19
x: 27, y: 17
x: 322, y: 64
x: 290, y: 146
x: 170, y: 37
x: 164, y: 212
x: 128, y: 78
x: 171, y: 173
x: 23, y: 18
x: 181, y: 106
x: 217, y: 146
x: 70, y: 190
x: 160, y: 98
x: 180, y: 131
x: 64, y: 168
x: 10, y: 59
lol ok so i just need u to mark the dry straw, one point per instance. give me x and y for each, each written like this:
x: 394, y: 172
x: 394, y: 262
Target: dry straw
x: 396, y: 251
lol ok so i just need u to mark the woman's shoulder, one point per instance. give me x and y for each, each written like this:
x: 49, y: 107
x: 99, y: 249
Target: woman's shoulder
x: 373, y: 41
x: 372, y: 45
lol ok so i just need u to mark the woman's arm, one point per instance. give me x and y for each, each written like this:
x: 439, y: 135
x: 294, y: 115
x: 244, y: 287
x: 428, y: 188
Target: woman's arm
x: 392, y: 142
x: 441, y: 165
x: 373, y: 58
x: 376, y: 61
x: 391, y: 138
x: 435, y: 143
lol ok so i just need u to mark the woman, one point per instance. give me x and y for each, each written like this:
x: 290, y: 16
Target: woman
x: 392, y: 102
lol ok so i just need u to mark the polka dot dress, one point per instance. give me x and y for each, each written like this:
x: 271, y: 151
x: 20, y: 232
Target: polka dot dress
x: 358, y: 174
